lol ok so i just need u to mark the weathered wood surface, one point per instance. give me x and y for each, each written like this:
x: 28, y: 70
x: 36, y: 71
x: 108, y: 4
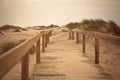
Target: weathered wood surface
x: 70, y: 35
x: 84, y: 44
x: 25, y: 67
x: 96, y: 50
x: 110, y: 38
x: 77, y: 38
x: 38, y: 51
x: 43, y: 43
x: 107, y: 37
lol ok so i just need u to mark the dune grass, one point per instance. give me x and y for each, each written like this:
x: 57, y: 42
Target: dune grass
x: 10, y: 45
x: 97, y: 25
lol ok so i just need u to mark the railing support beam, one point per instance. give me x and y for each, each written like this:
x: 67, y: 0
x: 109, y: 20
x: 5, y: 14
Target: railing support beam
x: 77, y: 38
x: 84, y: 45
x: 72, y: 35
x: 25, y: 67
x: 48, y: 37
x: 96, y: 50
x: 43, y: 43
x: 38, y: 52
x: 45, y: 40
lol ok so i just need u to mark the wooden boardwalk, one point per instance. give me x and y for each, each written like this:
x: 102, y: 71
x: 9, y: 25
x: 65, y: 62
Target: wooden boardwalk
x: 63, y: 60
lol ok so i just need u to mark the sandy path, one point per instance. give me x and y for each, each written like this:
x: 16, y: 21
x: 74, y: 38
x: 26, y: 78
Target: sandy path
x: 64, y: 61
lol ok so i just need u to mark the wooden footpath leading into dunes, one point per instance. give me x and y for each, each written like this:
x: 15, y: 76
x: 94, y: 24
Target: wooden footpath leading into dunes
x: 63, y: 60
x: 58, y: 57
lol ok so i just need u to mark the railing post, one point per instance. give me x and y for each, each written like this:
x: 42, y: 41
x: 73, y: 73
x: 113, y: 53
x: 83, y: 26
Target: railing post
x: 77, y: 37
x: 72, y: 35
x: 43, y: 43
x: 45, y: 40
x: 48, y: 37
x: 38, y: 52
x: 25, y: 67
x: 50, y: 33
x: 96, y: 50
x: 83, y: 43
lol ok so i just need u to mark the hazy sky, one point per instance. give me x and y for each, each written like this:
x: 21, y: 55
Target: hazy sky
x: 60, y: 12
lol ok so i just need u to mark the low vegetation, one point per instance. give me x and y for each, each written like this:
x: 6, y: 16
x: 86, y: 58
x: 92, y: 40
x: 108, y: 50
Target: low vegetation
x: 38, y: 27
x: 7, y: 27
x: 98, y: 25
x: 52, y: 26
x: 14, y: 28
x: 10, y: 45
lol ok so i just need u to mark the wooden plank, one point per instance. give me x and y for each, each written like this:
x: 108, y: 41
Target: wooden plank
x: 77, y: 38
x: 48, y: 36
x: 72, y: 35
x: 83, y: 43
x: 110, y: 38
x: 50, y: 78
x: 107, y: 37
x: 96, y: 50
x: 43, y: 43
x: 25, y: 67
x: 38, y: 52
x: 45, y: 40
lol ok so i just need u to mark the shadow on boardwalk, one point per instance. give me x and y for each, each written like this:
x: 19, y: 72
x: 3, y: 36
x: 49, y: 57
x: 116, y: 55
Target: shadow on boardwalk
x: 64, y: 61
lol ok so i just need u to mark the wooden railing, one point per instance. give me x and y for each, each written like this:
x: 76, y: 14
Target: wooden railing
x: 21, y: 53
x: 96, y: 36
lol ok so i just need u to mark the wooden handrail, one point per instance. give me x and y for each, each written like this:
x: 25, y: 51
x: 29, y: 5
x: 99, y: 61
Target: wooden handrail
x: 97, y: 36
x: 21, y: 53
x: 111, y: 38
